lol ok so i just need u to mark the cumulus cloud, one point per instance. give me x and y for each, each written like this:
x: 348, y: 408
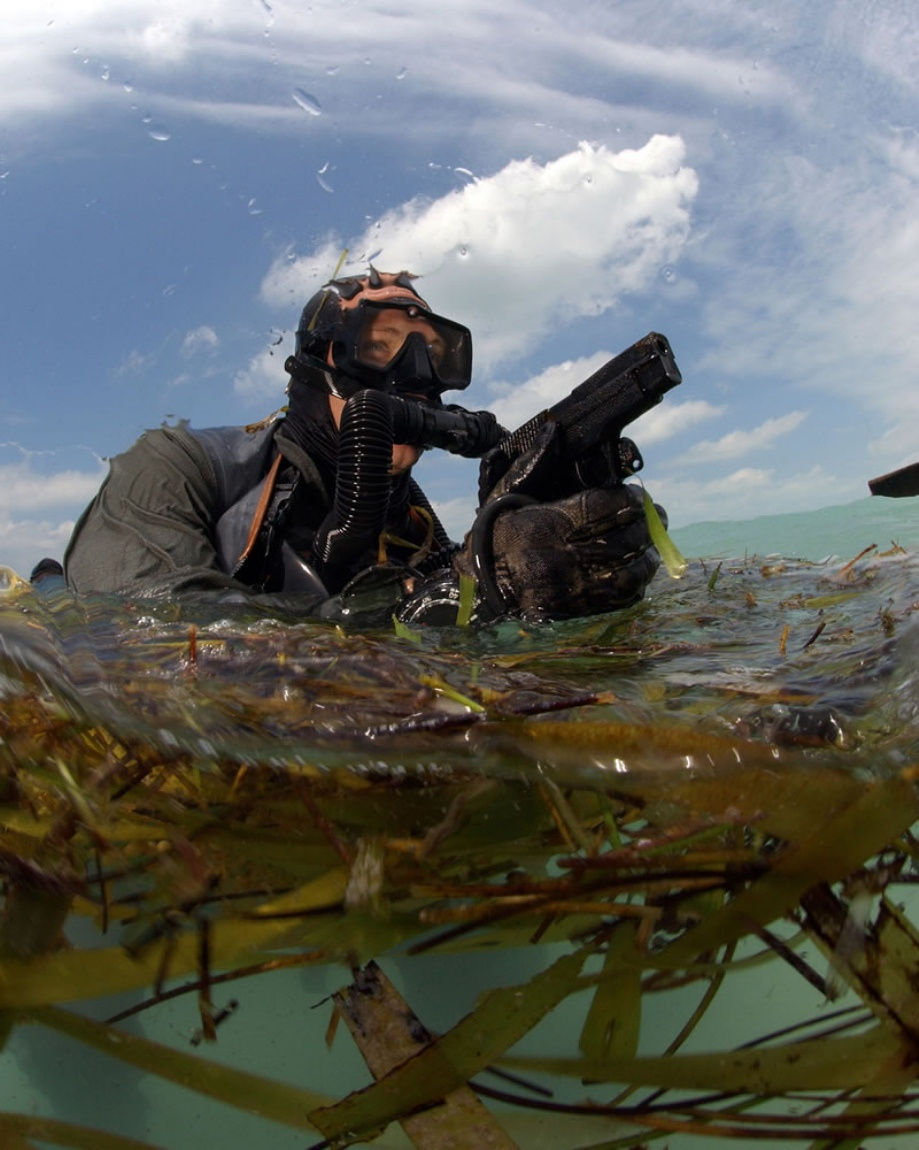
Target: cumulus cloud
x: 736, y: 444
x: 534, y: 246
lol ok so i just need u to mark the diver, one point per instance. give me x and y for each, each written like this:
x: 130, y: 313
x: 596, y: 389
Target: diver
x: 316, y: 510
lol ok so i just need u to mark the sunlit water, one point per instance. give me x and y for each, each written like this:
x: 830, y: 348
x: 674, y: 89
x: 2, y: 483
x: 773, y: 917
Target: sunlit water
x: 812, y: 652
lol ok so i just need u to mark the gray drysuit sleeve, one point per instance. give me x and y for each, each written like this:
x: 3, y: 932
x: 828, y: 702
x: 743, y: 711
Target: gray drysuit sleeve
x: 149, y: 529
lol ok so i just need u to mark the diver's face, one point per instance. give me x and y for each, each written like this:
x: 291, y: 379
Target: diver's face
x: 384, y: 333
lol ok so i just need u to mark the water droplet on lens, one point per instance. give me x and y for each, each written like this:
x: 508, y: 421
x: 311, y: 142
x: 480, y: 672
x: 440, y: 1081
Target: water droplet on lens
x: 106, y: 73
x: 333, y: 69
x: 307, y: 102
x: 463, y: 251
x: 402, y: 73
x: 668, y: 273
x: 159, y: 134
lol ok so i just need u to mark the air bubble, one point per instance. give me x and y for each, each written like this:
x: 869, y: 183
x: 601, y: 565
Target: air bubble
x: 307, y: 102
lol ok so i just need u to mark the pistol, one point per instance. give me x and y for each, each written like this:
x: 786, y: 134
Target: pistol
x: 590, y: 421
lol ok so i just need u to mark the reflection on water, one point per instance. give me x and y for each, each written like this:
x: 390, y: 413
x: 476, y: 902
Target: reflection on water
x: 192, y: 793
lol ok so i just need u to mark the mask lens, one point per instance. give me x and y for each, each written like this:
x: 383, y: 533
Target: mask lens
x: 379, y: 331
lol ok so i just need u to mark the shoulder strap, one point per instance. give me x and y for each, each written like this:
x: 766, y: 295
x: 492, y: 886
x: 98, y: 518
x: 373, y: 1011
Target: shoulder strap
x: 259, y: 563
x: 261, y: 510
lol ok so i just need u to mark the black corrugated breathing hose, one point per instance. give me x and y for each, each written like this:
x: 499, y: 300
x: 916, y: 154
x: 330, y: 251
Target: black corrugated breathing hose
x: 362, y: 486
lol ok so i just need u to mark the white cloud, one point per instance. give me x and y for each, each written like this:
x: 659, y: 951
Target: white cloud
x: 517, y: 254
x: 608, y: 47
x: 897, y: 446
x: 38, y: 505
x: 134, y: 363
x: 750, y: 491
x: 264, y: 376
x: 670, y: 418
x: 166, y: 38
x: 830, y: 303
x: 738, y: 443
x: 22, y: 486
x: 24, y: 542
x: 199, y: 340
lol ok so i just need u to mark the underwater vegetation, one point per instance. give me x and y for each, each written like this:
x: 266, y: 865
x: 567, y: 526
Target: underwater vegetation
x: 715, y: 785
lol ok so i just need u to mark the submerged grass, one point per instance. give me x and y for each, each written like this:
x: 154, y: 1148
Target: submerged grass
x: 721, y: 778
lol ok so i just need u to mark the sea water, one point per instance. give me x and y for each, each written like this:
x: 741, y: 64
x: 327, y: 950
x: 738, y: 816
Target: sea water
x: 279, y: 1029
x: 833, y: 532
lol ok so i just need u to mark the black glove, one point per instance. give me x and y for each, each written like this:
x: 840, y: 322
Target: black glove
x: 585, y: 554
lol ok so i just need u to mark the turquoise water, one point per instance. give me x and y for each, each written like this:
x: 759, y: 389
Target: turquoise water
x: 839, y: 532
x: 721, y: 651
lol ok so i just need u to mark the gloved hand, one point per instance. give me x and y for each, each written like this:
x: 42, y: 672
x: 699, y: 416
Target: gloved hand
x: 584, y: 554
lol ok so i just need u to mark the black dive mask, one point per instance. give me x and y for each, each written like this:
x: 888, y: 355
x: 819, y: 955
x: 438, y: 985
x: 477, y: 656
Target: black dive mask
x: 400, y: 347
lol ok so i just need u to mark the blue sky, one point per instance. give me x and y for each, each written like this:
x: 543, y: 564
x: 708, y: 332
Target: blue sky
x: 177, y: 178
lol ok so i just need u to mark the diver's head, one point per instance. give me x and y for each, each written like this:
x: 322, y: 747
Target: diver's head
x: 376, y: 331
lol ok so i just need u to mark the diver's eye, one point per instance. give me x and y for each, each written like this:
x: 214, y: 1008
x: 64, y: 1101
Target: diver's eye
x: 376, y: 350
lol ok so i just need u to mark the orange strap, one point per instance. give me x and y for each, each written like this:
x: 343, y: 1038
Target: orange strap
x: 261, y: 509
